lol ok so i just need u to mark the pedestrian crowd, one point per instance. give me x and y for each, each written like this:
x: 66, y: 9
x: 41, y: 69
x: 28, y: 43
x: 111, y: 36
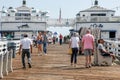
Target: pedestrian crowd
x: 84, y: 44
x: 26, y: 45
x: 39, y: 41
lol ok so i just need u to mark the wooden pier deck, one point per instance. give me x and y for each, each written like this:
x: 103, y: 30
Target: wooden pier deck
x: 56, y: 66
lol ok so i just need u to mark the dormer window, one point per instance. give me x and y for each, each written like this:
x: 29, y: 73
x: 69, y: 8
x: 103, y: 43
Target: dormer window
x: 83, y: 15
x: 96, y: 2
x: 37, y: 15
x: 10, y: 8
x: 24, y: 3
x: 102, y: 14
x: 8, y: 14
x: 78, y: 14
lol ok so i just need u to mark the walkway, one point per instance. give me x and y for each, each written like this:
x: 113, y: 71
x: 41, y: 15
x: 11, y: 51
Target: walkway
x: 56, y: 66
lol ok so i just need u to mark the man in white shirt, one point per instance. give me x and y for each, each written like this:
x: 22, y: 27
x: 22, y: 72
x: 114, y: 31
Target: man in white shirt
x: 26, y: 47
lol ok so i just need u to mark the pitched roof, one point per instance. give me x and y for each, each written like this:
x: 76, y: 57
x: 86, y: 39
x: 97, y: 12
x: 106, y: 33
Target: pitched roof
x: 23, y: 8
x: 97, y: 9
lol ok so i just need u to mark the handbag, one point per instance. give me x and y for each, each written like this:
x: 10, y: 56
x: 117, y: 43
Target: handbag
x: 70, y: 51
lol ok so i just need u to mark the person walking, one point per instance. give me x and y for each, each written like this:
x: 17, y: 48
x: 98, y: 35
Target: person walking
x: 45, y: 40
x: 74, y: 44
x: 34, y: 38
x: 26, y: 48
x: 60, y: 39
x: 88, y: 47
x: 39, y: 43
x: 54, y: 40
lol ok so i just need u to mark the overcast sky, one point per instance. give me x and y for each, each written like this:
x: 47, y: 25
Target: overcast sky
x: 69, y: 8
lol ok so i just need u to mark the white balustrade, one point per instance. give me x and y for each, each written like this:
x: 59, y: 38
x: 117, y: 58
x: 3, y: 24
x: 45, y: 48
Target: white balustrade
x: 6, y: 54
x: 3, y: 59
x: 113, y: 46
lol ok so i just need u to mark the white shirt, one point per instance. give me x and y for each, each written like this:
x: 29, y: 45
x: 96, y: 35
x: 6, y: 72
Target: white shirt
x: 100, y: 46
x: 26, y: 42
x: 74, y: 42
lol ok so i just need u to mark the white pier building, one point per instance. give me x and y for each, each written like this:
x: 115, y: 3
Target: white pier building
x: 16, y: 21
x: 99, y: 17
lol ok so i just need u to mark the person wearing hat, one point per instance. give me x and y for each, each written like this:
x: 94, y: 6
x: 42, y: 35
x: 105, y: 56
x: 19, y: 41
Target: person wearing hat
x: 102, y: 49
x: 26, y: 48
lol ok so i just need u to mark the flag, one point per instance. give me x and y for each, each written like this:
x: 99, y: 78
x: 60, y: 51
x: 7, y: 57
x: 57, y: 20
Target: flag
x: 60, y: 15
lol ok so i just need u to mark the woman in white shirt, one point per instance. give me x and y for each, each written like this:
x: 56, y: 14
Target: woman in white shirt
x: 74, y: 44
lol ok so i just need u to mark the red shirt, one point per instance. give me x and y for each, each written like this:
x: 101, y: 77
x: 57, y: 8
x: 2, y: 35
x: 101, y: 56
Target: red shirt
x: 60, y: 36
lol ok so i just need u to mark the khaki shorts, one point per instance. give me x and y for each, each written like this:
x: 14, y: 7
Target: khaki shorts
x: 88, y: 52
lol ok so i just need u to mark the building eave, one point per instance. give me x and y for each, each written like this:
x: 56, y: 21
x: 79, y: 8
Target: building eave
x: 97, y: 9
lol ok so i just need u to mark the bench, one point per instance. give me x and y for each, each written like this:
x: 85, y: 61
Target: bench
x: 102, y: 60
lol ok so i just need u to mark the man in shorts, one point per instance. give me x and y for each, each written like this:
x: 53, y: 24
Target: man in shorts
x: 88, y: 47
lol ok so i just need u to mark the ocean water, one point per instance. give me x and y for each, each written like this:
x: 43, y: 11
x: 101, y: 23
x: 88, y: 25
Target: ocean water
x: 60, y: 30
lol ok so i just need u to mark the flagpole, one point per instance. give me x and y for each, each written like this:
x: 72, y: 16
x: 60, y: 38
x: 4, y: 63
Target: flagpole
x: 60, y: 16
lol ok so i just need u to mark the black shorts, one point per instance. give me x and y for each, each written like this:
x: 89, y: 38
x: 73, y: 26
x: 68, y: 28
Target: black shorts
x: 105, y: 54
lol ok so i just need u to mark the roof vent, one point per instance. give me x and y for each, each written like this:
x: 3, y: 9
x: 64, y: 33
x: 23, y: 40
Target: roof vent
x: 96, y: 2
x: 24, y: 2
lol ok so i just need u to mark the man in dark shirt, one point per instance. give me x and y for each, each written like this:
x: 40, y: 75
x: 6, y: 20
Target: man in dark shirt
x: 60, y: 39
x: 45, y: 40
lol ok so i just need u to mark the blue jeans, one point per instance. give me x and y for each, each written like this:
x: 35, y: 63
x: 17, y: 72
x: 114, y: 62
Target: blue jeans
x: 74, y: 55
x: 60, y: 41
x: 26, y: 52
x: 45, y: 47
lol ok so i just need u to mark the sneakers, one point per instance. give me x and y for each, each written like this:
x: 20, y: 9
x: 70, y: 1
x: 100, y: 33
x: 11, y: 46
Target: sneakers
x: 74, y: 65
x: 24, y: 67
x: 88, y: 65
x: 45, y: 53
x: 39, y: 54
x: 29, y: 65
x: 71, y: 64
